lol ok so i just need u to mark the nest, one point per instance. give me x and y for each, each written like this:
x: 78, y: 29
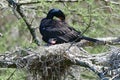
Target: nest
x: 114, y: 61
x: 50, y: 67
x: 47, y: 65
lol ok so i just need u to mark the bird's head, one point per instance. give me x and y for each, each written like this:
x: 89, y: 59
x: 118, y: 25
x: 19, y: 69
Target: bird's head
x: 57, y: 13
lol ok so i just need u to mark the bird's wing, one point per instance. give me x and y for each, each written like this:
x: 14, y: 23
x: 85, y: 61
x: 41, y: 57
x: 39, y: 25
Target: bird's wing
x: 60, y: 31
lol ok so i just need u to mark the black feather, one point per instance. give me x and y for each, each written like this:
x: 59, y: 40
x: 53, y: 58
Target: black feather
x: 59, y: 29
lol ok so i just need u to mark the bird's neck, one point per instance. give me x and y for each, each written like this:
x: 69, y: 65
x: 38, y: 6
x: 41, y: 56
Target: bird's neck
x: 50, y: 16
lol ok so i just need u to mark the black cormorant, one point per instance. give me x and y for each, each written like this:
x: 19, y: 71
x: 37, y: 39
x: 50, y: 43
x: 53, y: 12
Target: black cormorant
x: 58, y: 31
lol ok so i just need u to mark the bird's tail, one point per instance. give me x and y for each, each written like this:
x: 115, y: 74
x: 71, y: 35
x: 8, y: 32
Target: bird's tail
x: 90, y: 39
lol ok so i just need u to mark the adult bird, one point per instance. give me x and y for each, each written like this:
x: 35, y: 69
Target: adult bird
x: 57, y: 31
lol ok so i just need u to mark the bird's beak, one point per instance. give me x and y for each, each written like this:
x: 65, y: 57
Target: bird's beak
x: 62, y: 18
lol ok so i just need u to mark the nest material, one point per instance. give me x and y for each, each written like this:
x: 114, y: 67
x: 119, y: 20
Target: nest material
x: 56, y: 62
x: 114, y: 61
x: 49, y: 65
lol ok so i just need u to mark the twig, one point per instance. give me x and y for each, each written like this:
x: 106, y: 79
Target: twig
x: 89, y: 25
x: 29, y: 3
x: 110, y: 1
x: 32, y: 30
x: 11, y: 74
x: 117, y: 75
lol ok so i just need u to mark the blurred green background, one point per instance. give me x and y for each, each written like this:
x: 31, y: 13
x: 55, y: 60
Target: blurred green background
x: 105, y: 21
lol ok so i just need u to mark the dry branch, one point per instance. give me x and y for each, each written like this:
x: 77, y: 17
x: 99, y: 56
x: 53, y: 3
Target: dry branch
x: 50, y: 61
x: 17, y: 7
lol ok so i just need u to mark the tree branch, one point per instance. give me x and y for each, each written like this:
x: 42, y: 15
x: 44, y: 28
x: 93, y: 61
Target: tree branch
x: 58, y: 58
x: 16, y: 6
x: 11, y: 74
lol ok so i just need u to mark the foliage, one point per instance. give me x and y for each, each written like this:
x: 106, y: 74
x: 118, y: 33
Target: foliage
x: 103, y: 19
x: 5, y: 74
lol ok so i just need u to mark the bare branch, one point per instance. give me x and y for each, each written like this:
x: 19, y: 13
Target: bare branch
x: 88, y: 26
x: 12, y: 74
x: 58, y: 59
x: 16, y: 6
